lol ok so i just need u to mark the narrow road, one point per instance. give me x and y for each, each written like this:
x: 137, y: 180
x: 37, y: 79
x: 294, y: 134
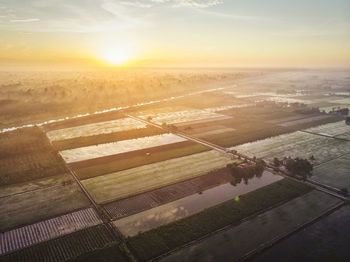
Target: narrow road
x: 183, y: 135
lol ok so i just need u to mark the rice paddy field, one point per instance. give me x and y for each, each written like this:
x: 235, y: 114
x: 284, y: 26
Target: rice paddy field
x: 297, y: 144
x: 33, y: 206
x: 37, y: 184
x: 105, y: 165
x: 141, y: 202
x: 114, y: 186
x: 190, y: 205
x: 168, y: 237
x: 114, y: 148
x: 26, y: 155
x: 324, y: 240
x: 22, y: 237
x: 104, y: 186
x: 336, y: 129
x: 84, y: 141
x: 335, y: 173
x: 186, y: 116
x: 265, y: 227
x: 68, y: 247
x: 95, y: 129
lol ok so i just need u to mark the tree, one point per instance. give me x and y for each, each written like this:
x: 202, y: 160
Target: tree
x: 299, y: 166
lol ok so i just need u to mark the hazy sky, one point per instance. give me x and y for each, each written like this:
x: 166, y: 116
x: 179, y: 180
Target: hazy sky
x: 177, y: 32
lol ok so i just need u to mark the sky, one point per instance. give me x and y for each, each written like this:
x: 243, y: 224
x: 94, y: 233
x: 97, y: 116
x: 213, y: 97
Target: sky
x: 171, y: 33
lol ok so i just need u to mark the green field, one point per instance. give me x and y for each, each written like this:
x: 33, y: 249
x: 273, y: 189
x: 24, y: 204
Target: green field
x: 163, y: 239
x: 137, y: 180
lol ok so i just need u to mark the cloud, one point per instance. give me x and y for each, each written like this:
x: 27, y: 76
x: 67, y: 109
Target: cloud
x: 28, y: 20
x: 197, y: 3
x: 174, y: 3
x: 89, y: 15
x: 234, y: 16
x: 137, y: 4
x: 72, y: 16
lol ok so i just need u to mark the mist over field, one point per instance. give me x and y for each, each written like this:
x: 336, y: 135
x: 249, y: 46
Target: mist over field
x: 174, y: 130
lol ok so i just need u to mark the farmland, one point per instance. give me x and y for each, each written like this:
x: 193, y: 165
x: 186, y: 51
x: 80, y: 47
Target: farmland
x: 144, y: 178
x: 298, y: 144
x: 105, y: 138
x: 190, y: 205
x: 265, y: 227
x: 33, y: 206
x: 325, y: 240
x: 65, y: 248
x: 33, y: 185
x: 20, y: 238
x: 332, y: 129
x: 104, y: 165
x: 109, y: 186
x: 168, y: 237
x: 335, y: 173
x: 114, y: 148
x: 26, y: 155
x: 106, y: 127
x: 158, y: 197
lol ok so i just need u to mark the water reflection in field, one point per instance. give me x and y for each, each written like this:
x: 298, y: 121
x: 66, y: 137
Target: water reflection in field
x: 190, y: 205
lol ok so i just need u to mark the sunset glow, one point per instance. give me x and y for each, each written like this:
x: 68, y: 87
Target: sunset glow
x: 117, y: 56
x: 176, y: 33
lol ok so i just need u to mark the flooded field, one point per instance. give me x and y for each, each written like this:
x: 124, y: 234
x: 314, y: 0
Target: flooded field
x: 333, y: 129
x: 325, y: 240
x: 335, y: 173
x: 190, y: 205
x: 138, y: 203
x: 95, y: 129
x: 297, y: 144
x: 236, y: 242
x: 96, y: 151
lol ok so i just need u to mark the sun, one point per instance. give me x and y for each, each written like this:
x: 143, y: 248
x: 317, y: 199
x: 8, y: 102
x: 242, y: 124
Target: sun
x: 118, y: 56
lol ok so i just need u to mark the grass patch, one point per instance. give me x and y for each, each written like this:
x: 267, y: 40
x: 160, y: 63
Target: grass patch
x: 165, y: 238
